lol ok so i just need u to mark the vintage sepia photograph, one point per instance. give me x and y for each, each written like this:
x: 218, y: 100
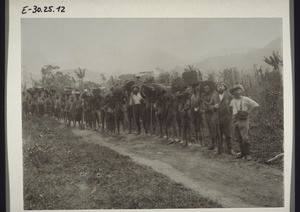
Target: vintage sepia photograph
x: 152, y: 113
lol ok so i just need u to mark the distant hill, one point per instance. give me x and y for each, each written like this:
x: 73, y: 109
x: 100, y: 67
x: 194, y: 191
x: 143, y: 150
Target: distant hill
x: 243, y: 58
x: 228, y: 51
x: 149, y: 59
x: 242, y: 61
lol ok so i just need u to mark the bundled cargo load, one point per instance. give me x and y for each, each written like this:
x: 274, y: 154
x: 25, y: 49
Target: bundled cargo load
x: 85, y: 94
x: 164, y: 78
x: 190, y: 77
x: 31, y: 91
x: 178, y: 85
x: 168, y: 97
x: 154, y: 90
x: 76, y: 92
x: 107, y: 95
x: 183, y: 95
x: 38, y: 89
x: 128, y: 85
x: 161, y: 88
x: 96, y: 91
x: 149, y: 79
x: 208, y: 83
x: 67, y: 90
x: 53, y: 88
x: 146, y: 90
x: 117, y: 90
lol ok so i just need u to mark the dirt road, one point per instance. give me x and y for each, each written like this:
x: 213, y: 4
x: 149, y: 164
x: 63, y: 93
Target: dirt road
x: 231, y: 182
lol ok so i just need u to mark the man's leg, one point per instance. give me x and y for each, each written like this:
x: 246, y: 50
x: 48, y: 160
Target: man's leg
x: 137, y: 117
x: 118, y: 121
x: 144, y: 117
x: 226, y: 130
x: 238, y: 138
x: 184, y: 133
x: 160, y: 122
x: 244, y: 131
x: 123, y: 120
x: 195, y: 125
x: 174, y: 127
x: 103, y: 119
x: 98, y: 119
x: 201, y: 132
x: 208, y: 119
x: 188, y: 125
x: 220, y: 133
x: 130, y: 116
x: 178, y: 118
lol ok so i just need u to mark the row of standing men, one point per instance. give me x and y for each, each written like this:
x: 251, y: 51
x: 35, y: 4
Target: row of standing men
x: 181, y: 116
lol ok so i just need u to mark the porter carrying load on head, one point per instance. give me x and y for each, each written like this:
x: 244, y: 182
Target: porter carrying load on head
x: 207, y: 89
x: 127, y: 91
x: 178, y: 85
x: 190, y: 77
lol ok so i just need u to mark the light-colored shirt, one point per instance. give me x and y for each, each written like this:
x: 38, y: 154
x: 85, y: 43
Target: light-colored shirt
x: 247, y: 104
x: 221, y: 96
x: 135, y: 99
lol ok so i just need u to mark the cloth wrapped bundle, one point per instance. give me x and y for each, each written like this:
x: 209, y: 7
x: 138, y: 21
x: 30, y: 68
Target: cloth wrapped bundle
x: 190, y: 77
x: 67, y: 90
x: 53, y: 88
x: 178, y: 85
x: 154, y: 90
x: 128, y: 85
x: 117, y: 90
x: 208, y: 83
x: 96, y: 91
x: 31, y: 91
x: 149, y: 79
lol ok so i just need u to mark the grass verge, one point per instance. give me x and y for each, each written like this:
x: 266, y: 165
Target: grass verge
x: 63, y: 172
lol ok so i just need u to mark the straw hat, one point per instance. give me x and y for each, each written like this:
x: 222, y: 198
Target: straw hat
x: 236, y: 87
x: 135, y: 86
x: 221, y: 83
x: 208, y: 83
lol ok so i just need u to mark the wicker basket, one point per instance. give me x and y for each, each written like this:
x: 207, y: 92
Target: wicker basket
x: 178, y: 85
x: 190, y: 77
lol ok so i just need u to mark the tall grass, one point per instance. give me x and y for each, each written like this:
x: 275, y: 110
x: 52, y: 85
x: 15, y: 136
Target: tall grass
x: 266, y: 124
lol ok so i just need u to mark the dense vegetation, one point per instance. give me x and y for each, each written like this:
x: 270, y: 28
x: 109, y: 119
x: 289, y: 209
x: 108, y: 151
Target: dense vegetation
x: 263, y: 86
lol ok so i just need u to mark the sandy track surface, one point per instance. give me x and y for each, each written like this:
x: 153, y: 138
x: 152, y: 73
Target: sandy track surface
x: 229, y: 181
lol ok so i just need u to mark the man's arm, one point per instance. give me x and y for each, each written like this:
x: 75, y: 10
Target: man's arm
x: 252, y: 105
x: 187, y: 105
x: 212, y: 104
x: 231, y: 105
x: 230, y: 97
x: 130, y: 99
x: 252, y: 109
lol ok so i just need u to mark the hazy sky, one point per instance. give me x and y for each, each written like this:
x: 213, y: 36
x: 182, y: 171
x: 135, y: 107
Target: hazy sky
x: 133, y: 45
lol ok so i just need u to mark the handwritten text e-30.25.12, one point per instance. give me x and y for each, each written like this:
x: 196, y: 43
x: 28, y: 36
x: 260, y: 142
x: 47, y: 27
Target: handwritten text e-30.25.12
x: 45, y: 9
